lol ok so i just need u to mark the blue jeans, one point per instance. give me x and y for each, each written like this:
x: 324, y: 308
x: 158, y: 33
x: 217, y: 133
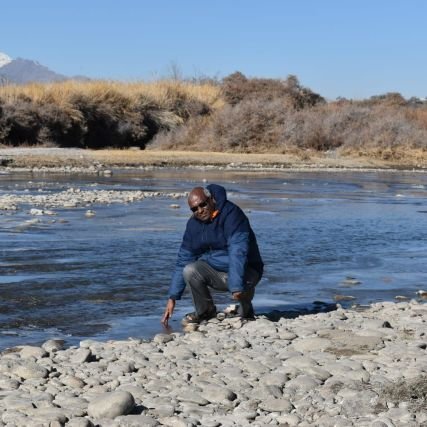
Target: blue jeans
x: 200, y: 276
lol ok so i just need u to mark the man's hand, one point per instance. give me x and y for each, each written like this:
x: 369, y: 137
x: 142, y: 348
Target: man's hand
x: 238, y: 295
x: 170, y: 307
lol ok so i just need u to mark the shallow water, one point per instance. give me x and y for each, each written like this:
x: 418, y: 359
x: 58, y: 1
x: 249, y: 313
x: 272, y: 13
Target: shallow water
x: 106, y: 277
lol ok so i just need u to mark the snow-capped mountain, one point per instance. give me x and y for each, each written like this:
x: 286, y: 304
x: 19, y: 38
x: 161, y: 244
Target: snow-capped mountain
x: 21, y: 70
x: 4, y: 59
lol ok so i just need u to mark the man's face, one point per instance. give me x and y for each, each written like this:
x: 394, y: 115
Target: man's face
x: 201, y: 206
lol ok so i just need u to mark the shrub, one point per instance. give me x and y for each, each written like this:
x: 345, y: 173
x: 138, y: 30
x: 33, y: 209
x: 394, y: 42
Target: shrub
x: 19, y: 123
x: 191, y: 136
x: 237, y: 88
x: 107, y: 121
x: 256, y: 126
x: 250, y: 126
x: 387, y: 99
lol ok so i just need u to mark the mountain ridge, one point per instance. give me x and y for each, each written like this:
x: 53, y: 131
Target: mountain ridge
x: 22, y: 71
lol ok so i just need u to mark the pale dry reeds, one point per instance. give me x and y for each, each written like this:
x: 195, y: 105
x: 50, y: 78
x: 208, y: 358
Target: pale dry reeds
x: 98, y: 114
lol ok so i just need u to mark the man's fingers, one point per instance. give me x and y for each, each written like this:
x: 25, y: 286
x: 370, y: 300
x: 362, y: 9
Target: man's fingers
x: 165, y: 318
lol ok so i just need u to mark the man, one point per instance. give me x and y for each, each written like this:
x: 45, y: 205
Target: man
x: 219, y: 251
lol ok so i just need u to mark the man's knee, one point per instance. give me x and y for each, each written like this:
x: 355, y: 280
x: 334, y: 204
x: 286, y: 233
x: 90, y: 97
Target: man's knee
x: 191, y: 271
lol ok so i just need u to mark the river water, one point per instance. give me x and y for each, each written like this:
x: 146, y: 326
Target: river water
x: 322, y: 235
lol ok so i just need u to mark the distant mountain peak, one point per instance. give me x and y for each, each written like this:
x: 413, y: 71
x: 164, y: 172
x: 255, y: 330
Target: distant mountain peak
x: 4, y: 59
x: 22, y: 71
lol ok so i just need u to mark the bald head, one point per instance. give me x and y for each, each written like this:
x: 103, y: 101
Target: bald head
x: 201, y: 203
x: 198, y: 192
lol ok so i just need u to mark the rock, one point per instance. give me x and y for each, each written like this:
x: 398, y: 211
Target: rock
x: 218, y: 394
x: 301, y: 362
x: 311, y: 344
x: 13, y: 418
x: 9, y: 384
x: 289, y: 420
x: 90, y: 213
x: 52, y: 346
x: 49, y: 415
x: 276, y: 405
x: 173, y: 422
x: 121, y: 367
x: 17, y: 403
x: 162, y: 338
x: 29, y: 351
x: 277, y: 379
x: 189, y: 395
x: 111, y: 405
x: 302, y: 383
x: 190, y: 327
x: 350, y: 281
x: 287, y: 335
x: 136, y: 421
x: 422, y: 294
x: 36, y: 212
x: 81, y: 355
x: 179, y: 353
x: 72, y: 381
x: 344, y: 298
x: 79, y: 422
x: 30, y: 370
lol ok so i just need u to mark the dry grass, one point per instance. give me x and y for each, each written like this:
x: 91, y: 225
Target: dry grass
x: 99, y: 114
x: 161, y: 93
x: 413, y: 392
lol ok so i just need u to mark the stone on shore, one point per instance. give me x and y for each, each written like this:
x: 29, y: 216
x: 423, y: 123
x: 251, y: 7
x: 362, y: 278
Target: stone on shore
x: 111, y: 405
x: 341, y: 368
x: 30, y: 370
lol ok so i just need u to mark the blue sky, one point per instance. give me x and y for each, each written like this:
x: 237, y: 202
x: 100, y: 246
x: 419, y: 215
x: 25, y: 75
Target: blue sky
x: 353, y: 49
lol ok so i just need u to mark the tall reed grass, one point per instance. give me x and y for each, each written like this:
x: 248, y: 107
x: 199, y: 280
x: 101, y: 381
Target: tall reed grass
x: 99, y: 114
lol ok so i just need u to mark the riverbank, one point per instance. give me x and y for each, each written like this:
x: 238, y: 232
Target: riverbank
x: 97, y: 161
x: 341, y: 368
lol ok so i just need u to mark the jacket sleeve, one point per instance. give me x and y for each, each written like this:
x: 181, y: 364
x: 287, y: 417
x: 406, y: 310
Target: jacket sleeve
x: 185, y: 256
x: 237, y: 227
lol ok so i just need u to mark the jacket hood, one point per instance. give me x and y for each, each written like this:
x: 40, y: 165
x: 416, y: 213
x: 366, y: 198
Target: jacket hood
x: 219, y: 194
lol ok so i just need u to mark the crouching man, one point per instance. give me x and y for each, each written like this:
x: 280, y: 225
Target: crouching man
x: 219, y: 251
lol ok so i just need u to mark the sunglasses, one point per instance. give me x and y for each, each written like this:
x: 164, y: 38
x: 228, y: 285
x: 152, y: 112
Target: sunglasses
x: 200, y: 205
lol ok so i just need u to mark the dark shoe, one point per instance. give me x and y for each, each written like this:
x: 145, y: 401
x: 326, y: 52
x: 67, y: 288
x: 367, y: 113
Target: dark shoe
x: 248, y: 314
x: 196, y: 318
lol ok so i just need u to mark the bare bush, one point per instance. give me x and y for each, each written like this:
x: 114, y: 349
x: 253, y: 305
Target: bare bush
x: 250, y: 126
x: 19, y: 123
x: 187, y: 137
x: 256, y: 126
x: 238, y: 88
x: 387, y: 99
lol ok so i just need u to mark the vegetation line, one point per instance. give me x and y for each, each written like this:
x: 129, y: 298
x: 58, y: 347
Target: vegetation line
x: 235, y: 115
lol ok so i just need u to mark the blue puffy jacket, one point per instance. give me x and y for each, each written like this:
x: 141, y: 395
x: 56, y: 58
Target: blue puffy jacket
x: 227, y: 243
